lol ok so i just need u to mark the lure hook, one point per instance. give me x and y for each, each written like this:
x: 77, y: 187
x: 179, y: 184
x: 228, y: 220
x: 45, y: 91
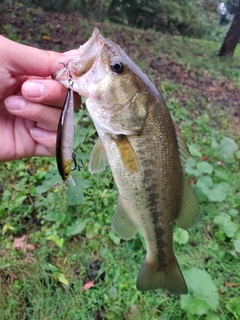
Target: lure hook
x: 70, y: 80
x: 77, y: 166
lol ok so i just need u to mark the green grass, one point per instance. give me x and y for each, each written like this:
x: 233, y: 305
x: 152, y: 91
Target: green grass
x: 70, y: 229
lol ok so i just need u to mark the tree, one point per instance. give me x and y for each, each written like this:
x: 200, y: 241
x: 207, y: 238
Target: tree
x: 231, y: 40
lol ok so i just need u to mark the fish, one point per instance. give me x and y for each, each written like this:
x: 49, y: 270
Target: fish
x: 145, y: 150
x: 64, y: 141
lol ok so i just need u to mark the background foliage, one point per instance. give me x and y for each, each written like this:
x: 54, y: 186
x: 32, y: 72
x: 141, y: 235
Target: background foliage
x: 185, y: 17
x: 59, y: 258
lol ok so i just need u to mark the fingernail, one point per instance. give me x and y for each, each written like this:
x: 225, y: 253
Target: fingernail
x: 33, y: 89
x: 38, y: 133
x: 15, y: 103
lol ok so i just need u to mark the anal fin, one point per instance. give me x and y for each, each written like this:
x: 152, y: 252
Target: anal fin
x: 124, y: 227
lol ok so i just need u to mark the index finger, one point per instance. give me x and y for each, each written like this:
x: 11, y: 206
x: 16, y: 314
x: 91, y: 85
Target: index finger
x: 21, y: 59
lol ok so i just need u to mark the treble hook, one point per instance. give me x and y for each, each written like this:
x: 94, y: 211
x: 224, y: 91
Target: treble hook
x: 77, y: 166
x: 70, y: 80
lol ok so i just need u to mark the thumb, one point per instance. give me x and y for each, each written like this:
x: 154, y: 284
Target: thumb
x: 21, y: 59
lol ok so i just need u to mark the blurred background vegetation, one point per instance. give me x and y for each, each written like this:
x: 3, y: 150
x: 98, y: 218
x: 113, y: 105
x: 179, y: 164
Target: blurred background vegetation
x: 183, y: 17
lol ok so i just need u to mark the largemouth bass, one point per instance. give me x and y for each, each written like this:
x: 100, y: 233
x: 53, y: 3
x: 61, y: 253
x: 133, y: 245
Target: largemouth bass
x: 146, y: 153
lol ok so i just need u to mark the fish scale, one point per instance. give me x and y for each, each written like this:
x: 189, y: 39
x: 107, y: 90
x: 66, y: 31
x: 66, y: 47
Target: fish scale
x: 146, y: 153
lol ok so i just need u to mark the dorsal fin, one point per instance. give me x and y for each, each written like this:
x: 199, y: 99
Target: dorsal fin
x: 182, y: 147
x: 189, y: 212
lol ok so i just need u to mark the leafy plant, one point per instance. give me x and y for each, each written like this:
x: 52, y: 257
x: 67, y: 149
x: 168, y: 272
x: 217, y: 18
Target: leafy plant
x: 203, y: 295
x: 211, y: 182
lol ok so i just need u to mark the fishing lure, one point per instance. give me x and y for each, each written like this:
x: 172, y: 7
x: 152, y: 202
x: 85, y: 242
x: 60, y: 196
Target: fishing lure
x: 64, y: 144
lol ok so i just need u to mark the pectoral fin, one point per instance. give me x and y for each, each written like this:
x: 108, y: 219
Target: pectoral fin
x: 190, y: 209
x: 98, y: 158
x: 122, y: 224
x: 128, y: 155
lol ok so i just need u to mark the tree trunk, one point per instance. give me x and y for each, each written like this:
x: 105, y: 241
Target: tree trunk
x: 232, y: 37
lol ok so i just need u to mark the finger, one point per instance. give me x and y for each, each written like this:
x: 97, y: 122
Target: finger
x: 48, y: 92
x: 46, y: 115
x: 46, y: 142
x: 29, y: 60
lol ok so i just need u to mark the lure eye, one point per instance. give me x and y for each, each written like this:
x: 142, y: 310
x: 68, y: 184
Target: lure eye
x: 117, y: 67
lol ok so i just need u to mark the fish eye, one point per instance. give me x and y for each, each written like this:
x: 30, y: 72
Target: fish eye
x: 117, y: 67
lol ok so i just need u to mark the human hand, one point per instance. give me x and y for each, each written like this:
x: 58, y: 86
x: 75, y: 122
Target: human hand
x: 30, y: 100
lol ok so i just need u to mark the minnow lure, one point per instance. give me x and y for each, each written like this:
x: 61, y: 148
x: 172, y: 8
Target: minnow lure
x: 64, y: 144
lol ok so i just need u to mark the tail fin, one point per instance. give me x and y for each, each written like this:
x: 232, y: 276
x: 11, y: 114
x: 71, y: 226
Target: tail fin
x: 171, y: 279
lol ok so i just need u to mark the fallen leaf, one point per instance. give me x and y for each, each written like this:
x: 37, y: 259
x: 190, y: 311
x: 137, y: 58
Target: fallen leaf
x: 20, y: 244
x: 46, y: 37
x: 62, y: 279
x: 228, y: 284
x: 87, y: 286
x: 191, y: 181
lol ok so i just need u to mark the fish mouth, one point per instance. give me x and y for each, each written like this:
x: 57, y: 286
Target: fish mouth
x: 80, y: 60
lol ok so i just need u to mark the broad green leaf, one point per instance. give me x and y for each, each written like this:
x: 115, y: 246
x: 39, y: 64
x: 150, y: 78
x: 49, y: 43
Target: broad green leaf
x: 194, y: 150
x: 77, y: 227
x: 221, y: 175
x: 227, y: 226
x: 230, y: 229
x: 237, y: 245
x: 227, y: 147
x: 114, y: 237
x: 220, y: 235
x: 204, y: 167
x: 56, y: 239
x: 7, y: 227
x: 203, y: 294
x: 194, y: 306
x: 215, y: 144
x: 58, y: 217
x: 62, y: 279
x: 219, y: 192
x: 233, y: 212
x: 74, y: 195
x: 181, y: 236
x: 237, y: 154
x: 50, y: 178
x: 191, y: 167
x: 205, y: 183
